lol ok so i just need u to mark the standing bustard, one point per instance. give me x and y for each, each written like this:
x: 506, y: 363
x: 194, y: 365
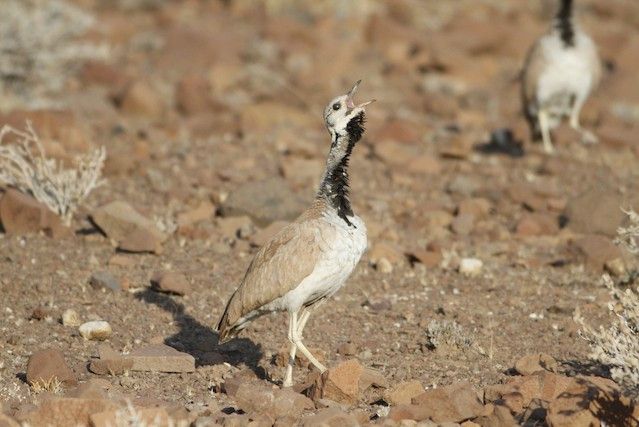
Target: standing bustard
x: 311, y: 258
x: 561, y: 70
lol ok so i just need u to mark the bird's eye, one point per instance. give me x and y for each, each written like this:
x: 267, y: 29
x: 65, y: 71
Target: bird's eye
x: 337, y: 106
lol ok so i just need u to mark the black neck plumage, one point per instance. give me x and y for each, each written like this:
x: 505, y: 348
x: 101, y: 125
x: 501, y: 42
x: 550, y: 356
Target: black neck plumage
x: 334, y: 187
x: 564, y: 23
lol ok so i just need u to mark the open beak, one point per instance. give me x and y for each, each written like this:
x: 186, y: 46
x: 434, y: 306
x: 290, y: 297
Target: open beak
x: 351, y: 94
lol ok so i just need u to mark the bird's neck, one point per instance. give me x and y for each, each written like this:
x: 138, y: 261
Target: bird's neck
x: 334, y: 185
x: 564, y: 23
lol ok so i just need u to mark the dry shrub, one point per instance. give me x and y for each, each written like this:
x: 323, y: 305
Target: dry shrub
x: 617, y: 345
x: 23, y: 165
x: 39, y: 49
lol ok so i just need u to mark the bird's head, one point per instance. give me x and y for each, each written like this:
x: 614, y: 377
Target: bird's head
x: 342, y: 116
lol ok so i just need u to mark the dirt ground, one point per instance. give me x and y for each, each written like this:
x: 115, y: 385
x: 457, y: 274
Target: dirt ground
x: 197, y: 98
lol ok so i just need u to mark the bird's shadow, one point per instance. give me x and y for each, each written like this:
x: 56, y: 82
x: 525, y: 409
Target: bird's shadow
x: 201, y: 341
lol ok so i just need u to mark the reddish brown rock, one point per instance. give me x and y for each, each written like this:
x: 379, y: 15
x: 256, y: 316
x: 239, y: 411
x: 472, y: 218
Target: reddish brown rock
x: 161, y: 358
x: 330, y: 417
x: 403, y: 393
x: 537, y: 362
x: 537, y: 224
x: 46, y: 366
x: 140, y: 99
x: 597, y: 250
x: 463, y: 224
x: 193, y: 95
x: 203, y: 212
x: 429, y: 258
x: 21, y: 214
x: 340, y: 384
x: 596, y: 211
x: 133, y: 232
x: 170, y: 282
x: 68, y: 411
x: 454, y: 403
x: 424, y: 164
x: 371, y: 378
x: 476, y: 206
x: 259, y: 398
x: 500, y: 417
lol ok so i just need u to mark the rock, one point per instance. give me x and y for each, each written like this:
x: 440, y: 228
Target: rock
x: 501, y: 417
x: 266, y: 117
x: 537, y: 224
x: 330, y: 417
x: 264, y: 201
x: 385, y: 255
x: 97, y: 330
x: 476, y: 206
x: 371, y: 378
x: 140, y: 99
x: 133, y: 232
x: 537, y: 362
x: 95, y: 388
x: 67, y: 411
x: 596, y: 211
x: 47, y: 366
x: 157, y: 416
x: 462, y: 185
x: 70, y: 318
x: 597, y: 250
x: 21, y: 213
x: 104, y: 280
x: 170, y: 283
x: 430, y: 259
x: 193, y: 95
x: 463, y: 224
x: 403, y: 393
x: 340, y: 384
x: 236, y: 227
x: 616, y: 267
x: 470, y: 267
x: 261, y: 237
x: 454, y: 403
x: 258, y: 398
x: 161, y: 358
x: 424, y: 164
x: 110, y: 362
x: 203, y: 212
x: 6, y: 421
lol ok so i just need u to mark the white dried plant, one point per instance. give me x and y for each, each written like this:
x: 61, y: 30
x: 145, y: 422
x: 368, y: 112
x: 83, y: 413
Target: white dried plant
x: 131, y: 417
x: 40, y: 49
x: 23, y: 165
x: 617, y: 345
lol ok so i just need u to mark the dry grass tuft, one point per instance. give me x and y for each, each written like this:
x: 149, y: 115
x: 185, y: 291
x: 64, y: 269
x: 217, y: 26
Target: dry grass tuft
x: 617, y: 345
x: 53, y: 385
x: 39, y: 49
x: 24, y: 166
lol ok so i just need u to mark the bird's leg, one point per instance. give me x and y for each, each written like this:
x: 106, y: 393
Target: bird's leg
x: 544, y: 125
x: 292, y: 325
x: 302, y: 322
x: 297, y: 339
x: 587, y: 137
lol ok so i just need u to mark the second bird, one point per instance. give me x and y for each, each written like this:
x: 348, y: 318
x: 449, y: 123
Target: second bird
x: 311, y: 258
x: 561, y: 70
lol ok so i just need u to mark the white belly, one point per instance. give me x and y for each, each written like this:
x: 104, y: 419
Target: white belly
x: 341, y: 253
x: 568, y: 75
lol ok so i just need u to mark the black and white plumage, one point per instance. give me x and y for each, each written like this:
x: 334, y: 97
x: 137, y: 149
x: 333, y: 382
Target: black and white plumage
x: 561, y: 70
x: 311, y: 258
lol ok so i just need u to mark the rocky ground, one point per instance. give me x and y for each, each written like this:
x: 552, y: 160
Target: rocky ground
x: 481, y: 246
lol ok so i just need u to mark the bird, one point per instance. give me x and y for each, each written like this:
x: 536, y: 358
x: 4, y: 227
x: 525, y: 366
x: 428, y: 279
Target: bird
x: 560, y: 71
x: 311, y: 258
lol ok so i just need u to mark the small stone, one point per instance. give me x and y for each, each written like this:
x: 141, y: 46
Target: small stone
x: 537, y: 224
x: 616, y: 267
x: 597, y: 250
x: 170, y: 282
x: 424, y: 164
x: 463, y: 224
x: 161, y: 358
x: 133, y: 232
x: 259, y: 398
x: 371, y: 378
x: 235, y: 227
x: 97, y: 330
x: 46, y: 366
x: 477, y: 206
x: 347, y: 349
x: 470, y: 267
x: 403, y: 393
x: 110, y: 362
x: 104, y: 280
x: 264, y: 201
x: 385, y: 255
x: 537, y: 362
x: 21, y: 213
x: 596, y: 211
x: 70, y: 318
x: 340, y: 384
x: 140, y: 99
x: 430, y: 259
x: 193, y: 95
